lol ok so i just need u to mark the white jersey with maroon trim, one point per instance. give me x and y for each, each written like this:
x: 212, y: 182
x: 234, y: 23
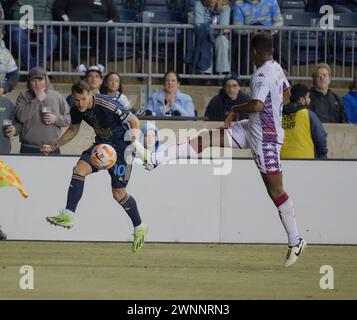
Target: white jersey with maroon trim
x: 267, y: 85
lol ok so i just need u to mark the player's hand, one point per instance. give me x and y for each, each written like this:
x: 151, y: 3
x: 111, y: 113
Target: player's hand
x: 46, y: 149
x: 10, y: 131
x: 40, y: 94
x: 229, y: 119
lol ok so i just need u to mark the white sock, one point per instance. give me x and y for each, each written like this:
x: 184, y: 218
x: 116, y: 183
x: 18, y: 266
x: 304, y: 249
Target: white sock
x: 69, y: 212
x: 287, y: 216
x: 180, y: 151
x: 138, y: 227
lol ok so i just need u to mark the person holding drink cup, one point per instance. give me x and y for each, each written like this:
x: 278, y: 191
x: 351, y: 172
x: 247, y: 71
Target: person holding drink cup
x: 10, y: 126
x: 42, y: 111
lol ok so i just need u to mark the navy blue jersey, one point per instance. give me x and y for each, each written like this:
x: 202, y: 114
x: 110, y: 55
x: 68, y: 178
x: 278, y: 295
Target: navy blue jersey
x: 108, y: 118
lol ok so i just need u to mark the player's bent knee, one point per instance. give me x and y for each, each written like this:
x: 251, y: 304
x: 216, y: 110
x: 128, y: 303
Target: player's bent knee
x: 82, y: 169
x: 275, y: 193
x: 119, y: 194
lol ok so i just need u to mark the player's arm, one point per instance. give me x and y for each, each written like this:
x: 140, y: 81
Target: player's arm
x: 286, y: 96
x: 251, y: 106
x: 69, y: 134
x: 134, y: 123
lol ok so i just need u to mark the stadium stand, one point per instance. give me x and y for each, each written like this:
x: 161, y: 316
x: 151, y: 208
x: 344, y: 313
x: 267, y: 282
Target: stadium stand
x: 287, y: 6
x: 306, y: 46
x: 343, y: 45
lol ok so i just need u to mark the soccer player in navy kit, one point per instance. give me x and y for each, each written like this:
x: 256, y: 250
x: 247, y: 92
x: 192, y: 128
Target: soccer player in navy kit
x: 110, y: 121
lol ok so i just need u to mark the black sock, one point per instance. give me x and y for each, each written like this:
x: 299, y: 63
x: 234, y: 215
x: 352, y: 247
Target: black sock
x: 75, y: 192
x: 129, y: 205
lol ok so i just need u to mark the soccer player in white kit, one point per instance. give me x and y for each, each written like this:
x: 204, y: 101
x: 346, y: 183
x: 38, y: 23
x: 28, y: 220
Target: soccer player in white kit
x: 262, y: 133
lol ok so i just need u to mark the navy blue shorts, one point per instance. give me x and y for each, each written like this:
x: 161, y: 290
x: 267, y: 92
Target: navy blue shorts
x: 119, y: 173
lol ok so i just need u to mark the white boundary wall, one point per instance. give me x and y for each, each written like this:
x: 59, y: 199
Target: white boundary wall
x: 185, y: 203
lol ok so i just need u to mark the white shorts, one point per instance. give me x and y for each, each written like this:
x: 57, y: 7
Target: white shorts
x: 266, y: 154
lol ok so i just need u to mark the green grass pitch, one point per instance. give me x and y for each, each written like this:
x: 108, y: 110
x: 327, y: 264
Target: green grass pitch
x: 74, y: 270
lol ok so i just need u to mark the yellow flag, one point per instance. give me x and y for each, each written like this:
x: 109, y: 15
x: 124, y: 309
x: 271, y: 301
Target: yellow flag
x: 9, y: 178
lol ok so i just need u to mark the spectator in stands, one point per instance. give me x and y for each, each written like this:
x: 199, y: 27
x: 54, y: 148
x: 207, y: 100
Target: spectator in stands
x: 350, y: 102
x: 208, y: 13
x: 112, y: 86
x: 229, y: 95
x: 2, y: 14
x: 42, y: 111
x: 88, y: 11
x: 9, y: 72
x: 94, y: 77
x: 255, y: 12
x: 324, y: 102
x: 2, y: 17
x: 45, y: 37
x: 150, y: 138
x: 170, y: 101
x: 6, y: 7
x: 304, y: 135
x: 9, y: 125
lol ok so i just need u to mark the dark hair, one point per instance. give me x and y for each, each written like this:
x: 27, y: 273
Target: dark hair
x: 263, y: 42
x: 174, y: 72
x: 232, y: 76
x: 104, y: 88
x: 298, y: 91
x: 80, y: 87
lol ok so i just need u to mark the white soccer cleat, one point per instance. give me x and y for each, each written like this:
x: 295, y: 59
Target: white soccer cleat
x: 294, y: 253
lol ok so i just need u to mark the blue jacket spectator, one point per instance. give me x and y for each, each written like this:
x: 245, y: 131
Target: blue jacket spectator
x: 255, y: 12
x: 9, y: 72
x: 208, y: 13
x: 170, y: 101
x: 350, y: 102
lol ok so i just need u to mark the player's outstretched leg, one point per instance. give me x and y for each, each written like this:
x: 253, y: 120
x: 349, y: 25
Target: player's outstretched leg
x: 75, y: 191
x: 190, y: 148
x: 274, y: 185
x: 128, y: 203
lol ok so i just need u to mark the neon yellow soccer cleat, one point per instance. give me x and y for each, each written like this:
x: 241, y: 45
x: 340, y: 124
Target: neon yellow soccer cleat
x: 64, y: 220
x: 139, y: 238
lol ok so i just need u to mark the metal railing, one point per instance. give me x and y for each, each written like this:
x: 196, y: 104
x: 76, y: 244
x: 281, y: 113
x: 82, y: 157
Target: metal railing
x: 149, y: 50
